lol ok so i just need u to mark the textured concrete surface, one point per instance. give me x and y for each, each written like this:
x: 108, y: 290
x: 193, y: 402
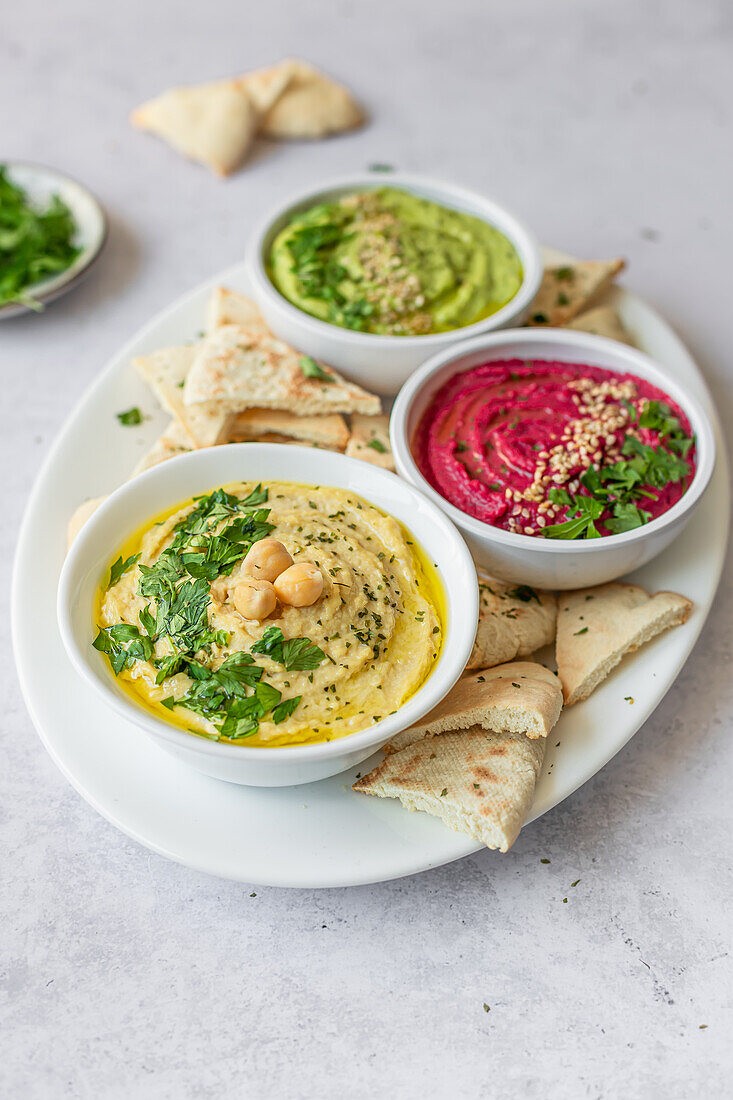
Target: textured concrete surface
x: 608, y: 126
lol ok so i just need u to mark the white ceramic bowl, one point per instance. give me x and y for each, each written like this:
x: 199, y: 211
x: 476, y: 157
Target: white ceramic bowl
x: 382, y: 363
x: 145, y: 496
x: 550, y: 563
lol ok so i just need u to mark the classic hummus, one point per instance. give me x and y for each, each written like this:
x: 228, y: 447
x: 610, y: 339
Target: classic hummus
x: 169, y: 625
x: 555, y: 449
x: 385, y: 261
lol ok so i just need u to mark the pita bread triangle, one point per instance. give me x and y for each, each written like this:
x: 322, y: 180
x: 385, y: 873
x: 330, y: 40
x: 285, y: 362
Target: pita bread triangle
x: 299, y: 101
x: 602, y: 321
x: 596, y: 627
x: 229, y: 307
x: 566, y: 289
x: 211, y: 123
x: 370, y: 440
x: 476, y: 781
x: 328, y: 431
x: 173, y: 441
x: 514, y: 620
x: 240, y: 368
x: 165, y: 372
x: 520, y: 697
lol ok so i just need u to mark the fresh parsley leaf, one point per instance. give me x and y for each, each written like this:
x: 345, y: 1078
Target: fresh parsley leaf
x: 119, y: 567
x: 311, y: 369
x: 582, y: 513
x: 524, y: 593
x: 297, y: 654
x: 285, y: 709
x: 123, y: 644
x: 301, y: 655
x: 130, y: 417
x: 626, y: 517
x: 377, y: 445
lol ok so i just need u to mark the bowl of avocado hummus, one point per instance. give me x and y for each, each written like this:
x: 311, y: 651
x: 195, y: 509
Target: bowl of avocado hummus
x: 265, y: 612
x: 373, y: 279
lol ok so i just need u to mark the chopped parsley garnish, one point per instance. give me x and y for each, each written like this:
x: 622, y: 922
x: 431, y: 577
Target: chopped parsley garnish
x: 524, y: 593
x: 377, y: 445
x: 123, y: 644
x: 297, y: 654
x: 119, y: 567
x: 311, y: 369
x: 34, y: 242
x: 130, y: 417
x: 207, y: 543
x: 614, y: 493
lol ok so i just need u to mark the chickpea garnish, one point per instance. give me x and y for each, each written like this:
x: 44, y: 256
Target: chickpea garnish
x: 266, y: 560
x: 255, y: 599
x: 300, y: 585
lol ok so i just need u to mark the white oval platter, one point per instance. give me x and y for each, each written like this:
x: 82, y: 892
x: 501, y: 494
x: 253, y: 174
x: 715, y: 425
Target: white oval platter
x: 323, y: 834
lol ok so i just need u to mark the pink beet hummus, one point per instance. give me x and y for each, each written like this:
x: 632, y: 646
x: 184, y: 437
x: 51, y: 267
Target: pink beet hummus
x: 517, y: 444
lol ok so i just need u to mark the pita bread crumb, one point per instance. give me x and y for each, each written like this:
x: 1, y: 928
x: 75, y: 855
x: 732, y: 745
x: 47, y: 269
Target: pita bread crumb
x: 602, y: 321
x: 520, y: 697
x: 239, y: 369
x: 514, y: 621
x: 214, y: 124
x: 229, y: 307
x: 305, y: 103
x: 477, y: 782
x: 566, y: 289
x: 597, y: 627
x: 370, y: 441
x: 173, y: 441
x: 165, y: 372
x: 80, y: 516
x: 328, y: 431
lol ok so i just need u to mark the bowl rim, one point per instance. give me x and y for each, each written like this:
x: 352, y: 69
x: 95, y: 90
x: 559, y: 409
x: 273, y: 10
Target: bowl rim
x: 518, y: 233
x: 638, y: 362
x: 460, y: 587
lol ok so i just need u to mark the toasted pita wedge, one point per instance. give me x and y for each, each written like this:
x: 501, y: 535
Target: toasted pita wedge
x: 265, y: 86
x: 229, y: 307
x: 602, y: 321
x: 477, y: 782
x: 174, y: 441
x: 211, y: 123
x: 165, y: 371
x: 285, y: 440
x: 370, y: 441
x: 80, y: 516
x: 327, y: 431
x: 566, y: 289
x: 513, y: 621
x: 521, y: 697
x: 596, y: 627
x: 240, y: 370
x: 299, y: 101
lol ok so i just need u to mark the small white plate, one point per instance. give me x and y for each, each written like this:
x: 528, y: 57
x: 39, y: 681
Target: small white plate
x: 322, y: 834
x: 40, y: 184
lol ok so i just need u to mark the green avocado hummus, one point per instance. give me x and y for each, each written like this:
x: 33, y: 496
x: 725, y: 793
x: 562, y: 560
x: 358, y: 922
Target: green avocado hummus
x: 385, y: 261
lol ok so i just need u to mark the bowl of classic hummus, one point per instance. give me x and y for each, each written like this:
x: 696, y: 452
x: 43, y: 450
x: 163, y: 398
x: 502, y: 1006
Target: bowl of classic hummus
x: 565, y: 459
x: 269, y: 614
x: 373, y: 276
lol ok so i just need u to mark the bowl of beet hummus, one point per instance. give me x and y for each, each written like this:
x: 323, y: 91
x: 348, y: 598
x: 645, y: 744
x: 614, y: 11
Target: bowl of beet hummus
x: 565, y: 459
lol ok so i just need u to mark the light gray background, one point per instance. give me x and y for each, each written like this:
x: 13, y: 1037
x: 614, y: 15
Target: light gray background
x: 608, y: 127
